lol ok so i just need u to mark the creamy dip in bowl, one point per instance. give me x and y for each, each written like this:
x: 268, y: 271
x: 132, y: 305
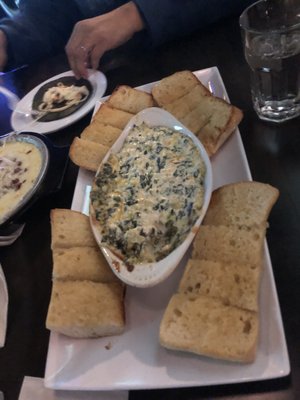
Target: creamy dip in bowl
x: 149, y: 197
x: 61, y: 97
x: 23, y: 163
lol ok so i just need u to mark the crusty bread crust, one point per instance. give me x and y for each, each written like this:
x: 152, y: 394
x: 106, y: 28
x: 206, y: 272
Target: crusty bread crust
x: 233, y: 122
x: 236, y: 116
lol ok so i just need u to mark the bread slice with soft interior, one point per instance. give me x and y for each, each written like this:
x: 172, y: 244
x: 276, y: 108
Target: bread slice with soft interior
x: 112, y: 116
x: 222, y: 121
x: 210, y: 118
x: 229, y: 244
x: 173, y: 87
x: 70, y: 228
x: 87, y: 154
x: 242, y: 203
x: 82, y: 263
x: 87, y: 299
x: 85, y: 309
x: 195, y: 121
x: 182, y: 106
x: 234, y: 284
x: 205, y: 326
x: 101, y: 133
x: 129, y: 99
x: 216, y: 310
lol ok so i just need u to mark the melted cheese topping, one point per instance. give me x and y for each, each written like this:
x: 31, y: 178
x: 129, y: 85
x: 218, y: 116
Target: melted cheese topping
x: 20, y: 165
x: 61, y: 97
x: 149, y: 195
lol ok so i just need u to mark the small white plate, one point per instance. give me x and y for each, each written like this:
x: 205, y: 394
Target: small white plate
x: 150, y: 274
x: 21, y: 123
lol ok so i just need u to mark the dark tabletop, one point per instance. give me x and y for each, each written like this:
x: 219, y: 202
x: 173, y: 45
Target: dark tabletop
x: 273, y: 155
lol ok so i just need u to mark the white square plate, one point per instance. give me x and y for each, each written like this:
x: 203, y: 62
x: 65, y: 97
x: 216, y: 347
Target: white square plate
x: 135, y: 360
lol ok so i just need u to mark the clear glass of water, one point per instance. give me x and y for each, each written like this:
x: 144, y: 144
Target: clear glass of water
x: 271, y: 38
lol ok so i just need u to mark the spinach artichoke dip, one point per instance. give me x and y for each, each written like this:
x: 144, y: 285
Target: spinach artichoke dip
x: 20, y: 165
x: 147, y: 196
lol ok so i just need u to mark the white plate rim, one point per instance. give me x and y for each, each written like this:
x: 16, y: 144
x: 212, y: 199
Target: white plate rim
x: 272, y: 348
x: 98, y: 81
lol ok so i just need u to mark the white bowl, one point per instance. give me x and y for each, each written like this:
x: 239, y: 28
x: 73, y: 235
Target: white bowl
x: 150, y: 274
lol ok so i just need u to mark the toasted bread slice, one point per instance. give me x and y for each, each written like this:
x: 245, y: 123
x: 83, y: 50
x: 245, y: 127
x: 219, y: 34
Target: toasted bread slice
x: 229, y: 244
x: 205, y: 326
x: 84, y: 309
x: 173, y: 87
x: 82, y: 263
x: 242, y: 203
x: 101, y: 133
x: 210, y: 118
x: 195, y: 120
x: 187, y: 103
x: 220, y: 126
x: 234, y: 284
x: 112, y: 116
x: 87, y: 154
x: 70, y: 228
x: 131, y: 100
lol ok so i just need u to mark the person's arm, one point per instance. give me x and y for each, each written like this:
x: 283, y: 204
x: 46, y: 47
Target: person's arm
x: 163, y: 20
x: 168, y: 19
x: 92, y: 37
x: 40, y: 28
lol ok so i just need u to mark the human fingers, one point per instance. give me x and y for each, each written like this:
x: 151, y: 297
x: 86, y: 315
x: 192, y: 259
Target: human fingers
x: 78, y: 50
x: 79, y: 60
x: 95, y: 55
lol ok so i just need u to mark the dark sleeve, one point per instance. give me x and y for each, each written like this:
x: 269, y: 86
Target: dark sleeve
x: 40, y: 28
x: 168, y: 19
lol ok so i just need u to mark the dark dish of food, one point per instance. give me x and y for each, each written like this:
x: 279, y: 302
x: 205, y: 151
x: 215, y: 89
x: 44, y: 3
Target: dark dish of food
x: 147, y: 197
x: 30, y: 167
x: 61, y: 97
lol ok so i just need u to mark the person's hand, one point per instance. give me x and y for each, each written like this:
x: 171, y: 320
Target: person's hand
x: 91, y: 38
x: 3, y: 53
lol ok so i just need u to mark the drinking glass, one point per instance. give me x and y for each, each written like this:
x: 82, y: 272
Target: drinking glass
x: 271, y: 39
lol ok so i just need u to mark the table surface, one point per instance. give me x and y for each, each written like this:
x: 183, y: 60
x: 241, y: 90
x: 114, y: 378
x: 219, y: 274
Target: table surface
x: 272, y: 152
